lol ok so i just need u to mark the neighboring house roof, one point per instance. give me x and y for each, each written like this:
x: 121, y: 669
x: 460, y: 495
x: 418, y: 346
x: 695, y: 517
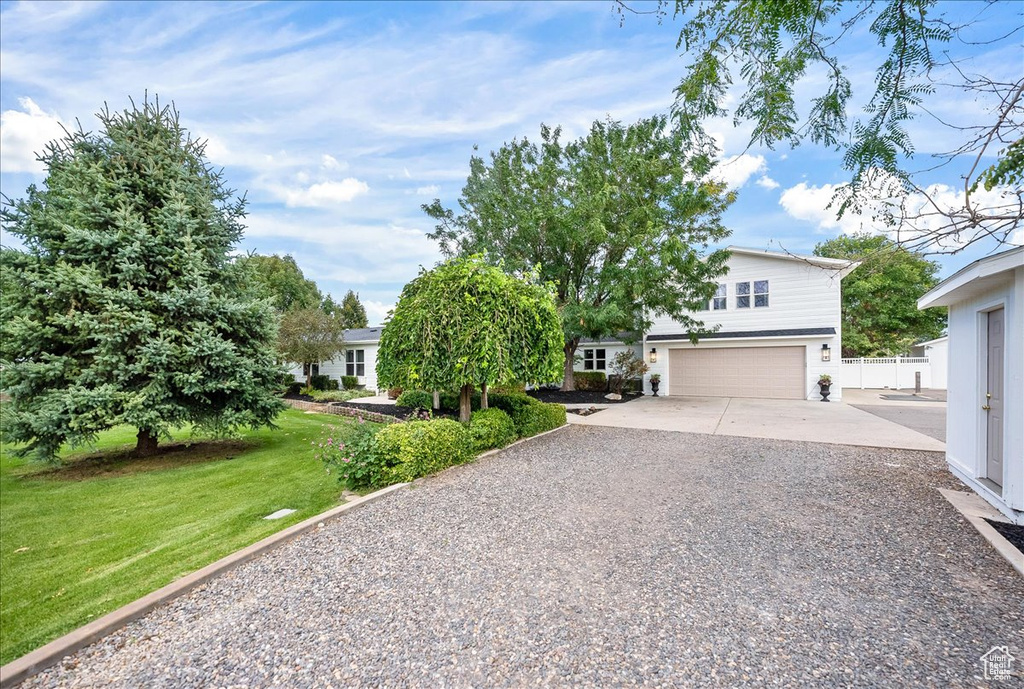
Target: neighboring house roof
x: 973, y: 280
x: 844, y: 266
x: 363, y: 335
x: 790, y: 332
x: 930, y: 343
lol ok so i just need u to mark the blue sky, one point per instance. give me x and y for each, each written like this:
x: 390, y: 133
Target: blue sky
x: 340, y: 119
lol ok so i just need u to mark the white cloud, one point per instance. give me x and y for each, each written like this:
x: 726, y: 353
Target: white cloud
x: 767, y: 182
x: 431, y: 190
x: 376, y: 311
x: 329, y: 162
x: 737, y: 170
x: 24, y: 134
x: 325, y: 193
x: 811, y: 204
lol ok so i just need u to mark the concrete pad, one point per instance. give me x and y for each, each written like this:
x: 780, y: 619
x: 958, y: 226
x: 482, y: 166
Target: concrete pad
x: 894, y: 398
x: 821, y: 422
x: 685, y: 414
x: 833, y: 423
x: 375, y: 399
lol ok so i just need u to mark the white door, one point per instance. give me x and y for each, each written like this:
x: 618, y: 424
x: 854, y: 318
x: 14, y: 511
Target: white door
x: 772, y: 372
x: 994, y: 399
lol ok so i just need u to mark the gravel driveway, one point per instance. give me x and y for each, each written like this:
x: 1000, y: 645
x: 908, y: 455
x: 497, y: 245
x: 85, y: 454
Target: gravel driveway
x: 606, y: 557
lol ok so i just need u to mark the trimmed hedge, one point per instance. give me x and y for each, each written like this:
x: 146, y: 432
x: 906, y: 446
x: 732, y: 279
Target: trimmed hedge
x: 417, y: 399
x: 491, y: 428
x: 591, y: 380
x: 412, y: 449
x: 323, y: 382
x: 349, y: 382
x: 529, y: 415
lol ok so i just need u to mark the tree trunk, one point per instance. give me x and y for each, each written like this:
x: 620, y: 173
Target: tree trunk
x: 309, y: 376
x: 568, y: 380
x: 483, y: 396
x: 437, y: 401
x: 465, y: 403
x: 145, y: 445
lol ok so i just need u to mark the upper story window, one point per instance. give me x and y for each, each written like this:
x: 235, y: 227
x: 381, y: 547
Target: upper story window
x: 355, y: 362
x: 718, y: 302
x: 743, y: 294
x: 593, y: 359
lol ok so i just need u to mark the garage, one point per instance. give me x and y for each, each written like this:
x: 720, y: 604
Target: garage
x: 770, y: 372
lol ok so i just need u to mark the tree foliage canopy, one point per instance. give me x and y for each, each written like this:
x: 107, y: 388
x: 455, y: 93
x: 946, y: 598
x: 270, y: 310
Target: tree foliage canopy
x: 779, y: 47
x: 309, y: 336
x: 124, y: 306
x: 879, y: 298
x: 351, y: 311
x: 466, y: 323
x: 617, y: 221
x: 280, y: 279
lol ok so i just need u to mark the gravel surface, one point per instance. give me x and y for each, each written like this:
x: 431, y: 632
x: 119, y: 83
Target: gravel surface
x: 605, y: 557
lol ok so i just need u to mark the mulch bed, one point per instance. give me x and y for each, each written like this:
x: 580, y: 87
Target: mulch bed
x: 386, y: 409
x: 579, y: 397
x: 1011, y: 532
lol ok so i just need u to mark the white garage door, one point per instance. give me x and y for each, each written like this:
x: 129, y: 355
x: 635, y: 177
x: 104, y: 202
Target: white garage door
x: 773, y: 372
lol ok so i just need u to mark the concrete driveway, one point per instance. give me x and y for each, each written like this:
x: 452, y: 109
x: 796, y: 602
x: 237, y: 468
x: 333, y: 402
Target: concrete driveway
x: 833, y: 423
x: 605, y: 557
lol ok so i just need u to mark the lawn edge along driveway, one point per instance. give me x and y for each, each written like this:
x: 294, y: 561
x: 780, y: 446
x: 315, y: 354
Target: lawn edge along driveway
x: 29, y: 664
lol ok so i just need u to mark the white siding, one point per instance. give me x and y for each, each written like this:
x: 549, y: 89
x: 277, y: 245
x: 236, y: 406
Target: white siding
x: 801, y: 295
x: 610, y: 351
x: 336, y: 368
x: 938, y: 358
x: 965, y: 422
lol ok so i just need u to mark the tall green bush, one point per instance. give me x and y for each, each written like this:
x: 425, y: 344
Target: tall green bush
x: 491, y: 428
x: 412, y: 449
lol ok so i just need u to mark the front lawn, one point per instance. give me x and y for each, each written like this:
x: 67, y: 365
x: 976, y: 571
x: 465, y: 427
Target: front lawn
x: 82, y: 541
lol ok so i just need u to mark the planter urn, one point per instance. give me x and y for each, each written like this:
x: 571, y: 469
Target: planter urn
x: 825, y: 391
x: 654, y: 387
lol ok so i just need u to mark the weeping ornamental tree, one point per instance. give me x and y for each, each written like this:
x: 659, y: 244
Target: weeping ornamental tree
x: 124, y: 305
x: 467, y: 324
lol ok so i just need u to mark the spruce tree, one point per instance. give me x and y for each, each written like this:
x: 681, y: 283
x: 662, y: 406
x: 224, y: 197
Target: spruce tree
x: 124, y: 305
x: 353, y: 315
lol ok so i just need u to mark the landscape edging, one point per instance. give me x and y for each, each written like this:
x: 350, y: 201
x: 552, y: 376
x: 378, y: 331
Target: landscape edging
x: 20, y: 669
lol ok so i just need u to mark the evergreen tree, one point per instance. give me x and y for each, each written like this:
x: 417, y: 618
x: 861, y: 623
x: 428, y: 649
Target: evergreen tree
x: 353, y: 315
x: 125, y: 305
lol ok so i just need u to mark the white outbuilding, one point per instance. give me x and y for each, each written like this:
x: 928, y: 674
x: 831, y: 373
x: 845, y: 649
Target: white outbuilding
x: 985, y: 414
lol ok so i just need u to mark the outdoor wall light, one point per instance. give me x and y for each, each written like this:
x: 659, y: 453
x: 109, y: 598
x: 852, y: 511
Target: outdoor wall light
x: 826, y: 353
x: 653, y: 356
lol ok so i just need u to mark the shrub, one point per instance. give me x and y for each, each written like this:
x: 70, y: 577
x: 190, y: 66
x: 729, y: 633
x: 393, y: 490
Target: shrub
x: 323, y: 382
x: 626, y: 366
x: 349, y: 382
x: 393, y: 393
x: 337, y: 395
x: 507, y: 389
x: 539, y: 417
x: 530, y: 416
x: 293, y: 388
x: 412, y: 449
x: 591, y: 380
x: 491, y: 428
x: 450, y: 401
x: 355, y: 462
x: 418, y: 399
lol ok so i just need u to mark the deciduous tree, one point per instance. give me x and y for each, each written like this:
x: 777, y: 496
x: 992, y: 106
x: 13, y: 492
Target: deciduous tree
x: 879, y: 298
x: 352, y: 313
x: 126, y: 307
x: 619, y: 221
x: 280, y: 279
x: 466, y: 324
x: 781, y: 49
x: 309, y: 336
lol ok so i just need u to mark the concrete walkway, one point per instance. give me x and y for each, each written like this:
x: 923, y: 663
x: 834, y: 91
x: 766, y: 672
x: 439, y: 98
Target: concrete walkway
x: 833, y: 423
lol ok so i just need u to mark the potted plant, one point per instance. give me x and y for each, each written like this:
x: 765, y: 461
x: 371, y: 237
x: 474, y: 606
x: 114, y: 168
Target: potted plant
x: 655, y: 382
x: 825, y: 383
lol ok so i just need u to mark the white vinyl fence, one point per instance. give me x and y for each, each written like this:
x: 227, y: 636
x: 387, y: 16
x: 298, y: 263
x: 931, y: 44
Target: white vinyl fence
x: 896, y: 373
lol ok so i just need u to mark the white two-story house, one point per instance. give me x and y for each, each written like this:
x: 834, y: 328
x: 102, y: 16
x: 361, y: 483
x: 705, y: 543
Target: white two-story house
x: 779, y: 321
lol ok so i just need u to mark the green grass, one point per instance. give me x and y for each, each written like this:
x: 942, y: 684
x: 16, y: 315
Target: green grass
x: 103, y: 531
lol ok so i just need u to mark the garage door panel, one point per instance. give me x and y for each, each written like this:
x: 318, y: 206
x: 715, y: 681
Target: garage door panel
x: 773, y: 372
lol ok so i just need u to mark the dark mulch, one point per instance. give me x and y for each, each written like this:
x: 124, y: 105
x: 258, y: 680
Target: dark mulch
x: 297, y: 396
x: 1011, y: 532
x: 386, y: 409
x: 579, y: 397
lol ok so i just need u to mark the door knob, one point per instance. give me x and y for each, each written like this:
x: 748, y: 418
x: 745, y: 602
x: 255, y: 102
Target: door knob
x: 985, y: 407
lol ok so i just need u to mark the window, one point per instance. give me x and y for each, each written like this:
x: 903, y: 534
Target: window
x: 315, y: 367
x: 354, y: 362
x: 743, y: 294
x: 718, y: 301
x: 593, y: 359
x: 760, y: 293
